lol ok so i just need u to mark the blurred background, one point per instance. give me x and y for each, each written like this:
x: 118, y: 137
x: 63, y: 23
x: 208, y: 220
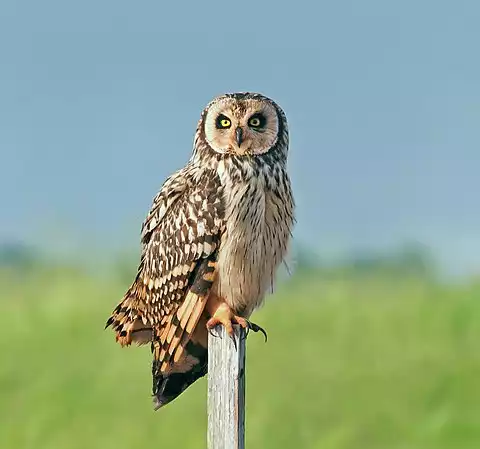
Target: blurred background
x: 373, y: 341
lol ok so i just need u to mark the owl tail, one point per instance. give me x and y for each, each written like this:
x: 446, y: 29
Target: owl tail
x: 169, y: 384
x: 127, y: 323
x: 180, y: 346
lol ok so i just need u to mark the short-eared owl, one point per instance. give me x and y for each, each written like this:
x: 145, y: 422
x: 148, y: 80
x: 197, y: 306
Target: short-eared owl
x: 212, y: 241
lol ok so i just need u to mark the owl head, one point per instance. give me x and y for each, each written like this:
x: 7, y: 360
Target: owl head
x: 243, y: 124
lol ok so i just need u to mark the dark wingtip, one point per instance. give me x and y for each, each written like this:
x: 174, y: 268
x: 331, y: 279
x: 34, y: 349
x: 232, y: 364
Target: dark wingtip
x: 167, y: 388
x: 157, y: 403
x: 109, y: 322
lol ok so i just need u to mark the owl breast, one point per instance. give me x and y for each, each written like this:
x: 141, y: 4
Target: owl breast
x: 259, y: 218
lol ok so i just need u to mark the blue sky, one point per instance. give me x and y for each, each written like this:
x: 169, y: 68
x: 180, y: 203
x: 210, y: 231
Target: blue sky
x: 99, y: 102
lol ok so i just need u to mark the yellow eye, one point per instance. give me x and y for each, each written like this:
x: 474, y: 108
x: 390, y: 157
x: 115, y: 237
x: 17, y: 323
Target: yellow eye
x: 257, y: 121
x: 225, y: 123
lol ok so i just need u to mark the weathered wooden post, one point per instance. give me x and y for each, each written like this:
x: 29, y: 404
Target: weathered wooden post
x: 226, y: 389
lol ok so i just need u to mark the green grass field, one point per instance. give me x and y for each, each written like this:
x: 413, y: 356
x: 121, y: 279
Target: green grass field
x: 351, y: 363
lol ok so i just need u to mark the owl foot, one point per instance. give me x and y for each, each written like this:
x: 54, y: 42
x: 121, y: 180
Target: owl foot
x: 224, y: 316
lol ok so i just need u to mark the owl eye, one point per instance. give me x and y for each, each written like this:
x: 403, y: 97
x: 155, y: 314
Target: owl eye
x: 223, y: 122
x: 256, y: 121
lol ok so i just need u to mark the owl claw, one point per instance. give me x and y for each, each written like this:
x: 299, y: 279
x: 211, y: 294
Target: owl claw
x: 255, y: 328
x: 210, y: 331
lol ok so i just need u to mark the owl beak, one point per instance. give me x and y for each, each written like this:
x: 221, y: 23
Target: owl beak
x: 239, y: 136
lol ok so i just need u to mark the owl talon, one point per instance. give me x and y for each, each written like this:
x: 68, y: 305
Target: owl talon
x: 247, y: 331
x: 249, y: 326
x: 256, y: 328
x: 210, y: 331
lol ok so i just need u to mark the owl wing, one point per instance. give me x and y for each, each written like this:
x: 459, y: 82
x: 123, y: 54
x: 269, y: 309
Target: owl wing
x: 179, y: 240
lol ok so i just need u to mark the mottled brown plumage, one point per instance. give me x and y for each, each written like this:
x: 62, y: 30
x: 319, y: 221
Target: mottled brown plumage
x: 212, y: 241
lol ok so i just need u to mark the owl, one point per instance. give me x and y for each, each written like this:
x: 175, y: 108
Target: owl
x: 212, y: 240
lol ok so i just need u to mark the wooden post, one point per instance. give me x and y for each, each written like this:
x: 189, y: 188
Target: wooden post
x: 226, y: 390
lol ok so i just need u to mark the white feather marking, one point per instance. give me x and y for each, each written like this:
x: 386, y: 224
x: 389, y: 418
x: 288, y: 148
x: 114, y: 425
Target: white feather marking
x: 207, y: 248
x: 201, y: 228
